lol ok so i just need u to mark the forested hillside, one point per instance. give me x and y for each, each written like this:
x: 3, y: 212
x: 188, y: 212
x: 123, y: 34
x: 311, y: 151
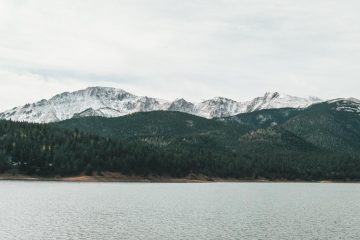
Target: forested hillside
x: 320, y: 142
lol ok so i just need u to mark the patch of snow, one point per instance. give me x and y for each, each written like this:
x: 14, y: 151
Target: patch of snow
x: 346, y: 104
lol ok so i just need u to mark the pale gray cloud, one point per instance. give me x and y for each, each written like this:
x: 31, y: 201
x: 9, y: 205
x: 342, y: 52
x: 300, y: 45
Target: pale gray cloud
x: 169, y: 48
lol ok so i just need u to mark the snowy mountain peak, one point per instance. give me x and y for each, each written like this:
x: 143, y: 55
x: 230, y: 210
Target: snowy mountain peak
x: 280, y: 100
x: 180, y: 100
x: 181, y: 105
x: 220, y: 100
x: 113, y: 102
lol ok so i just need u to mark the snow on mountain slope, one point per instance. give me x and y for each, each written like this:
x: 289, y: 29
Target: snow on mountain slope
x: 278, y: 100
x: 95, y: 101
x: 219, y: 107
x: 111, y: 102
x: 181, y: 105
x: 346, y: 104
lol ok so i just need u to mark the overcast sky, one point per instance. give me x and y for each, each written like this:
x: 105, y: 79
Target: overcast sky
x: 195, y: 49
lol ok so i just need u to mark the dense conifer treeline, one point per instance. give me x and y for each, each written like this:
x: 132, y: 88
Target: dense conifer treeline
x: 48, y: 150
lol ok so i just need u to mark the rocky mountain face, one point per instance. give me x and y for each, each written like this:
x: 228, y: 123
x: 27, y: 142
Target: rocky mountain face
x: 111, y: 102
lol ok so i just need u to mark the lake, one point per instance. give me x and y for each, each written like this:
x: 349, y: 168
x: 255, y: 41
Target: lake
x: 58, y: 210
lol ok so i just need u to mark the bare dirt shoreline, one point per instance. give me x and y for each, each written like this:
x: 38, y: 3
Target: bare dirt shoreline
x: 102, y: 179
x: 106, y: 177
x: 116, y: 177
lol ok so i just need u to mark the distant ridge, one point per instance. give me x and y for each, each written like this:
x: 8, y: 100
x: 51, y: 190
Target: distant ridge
x: 112, y: 102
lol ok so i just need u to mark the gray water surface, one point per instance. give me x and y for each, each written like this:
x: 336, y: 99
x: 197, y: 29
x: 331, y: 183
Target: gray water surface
x: 55, y: 210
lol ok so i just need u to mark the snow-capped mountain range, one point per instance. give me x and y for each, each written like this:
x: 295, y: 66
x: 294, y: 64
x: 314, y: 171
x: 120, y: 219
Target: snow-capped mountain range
x: 112, y: 102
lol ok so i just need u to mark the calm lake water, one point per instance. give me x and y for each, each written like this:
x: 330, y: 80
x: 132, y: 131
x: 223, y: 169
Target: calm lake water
x: 55, y: 210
